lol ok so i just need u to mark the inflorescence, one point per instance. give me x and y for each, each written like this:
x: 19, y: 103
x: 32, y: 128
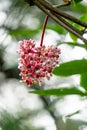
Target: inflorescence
x: 36, y: 63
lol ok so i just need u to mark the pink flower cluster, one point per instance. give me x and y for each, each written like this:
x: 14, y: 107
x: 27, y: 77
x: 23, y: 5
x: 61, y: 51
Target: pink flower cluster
x: 36, y: 63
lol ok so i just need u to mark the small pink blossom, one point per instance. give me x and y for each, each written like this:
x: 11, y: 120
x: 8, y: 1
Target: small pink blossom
x: 36, y: 63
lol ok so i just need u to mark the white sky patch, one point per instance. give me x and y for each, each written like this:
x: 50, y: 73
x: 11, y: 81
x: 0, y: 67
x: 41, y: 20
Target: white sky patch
x: 30, y: 22
x: 68, y: 53
x: 84, y: 127
x: 16, y: 98
x: 3, y: 35
x: 71, y: 104
x: 79, y: 53
x: 85, y: 35
x: 2, y: 17
x: 45, y: 121
x: 84, y: 2
x: 4, y: 4
x: 50, y: 38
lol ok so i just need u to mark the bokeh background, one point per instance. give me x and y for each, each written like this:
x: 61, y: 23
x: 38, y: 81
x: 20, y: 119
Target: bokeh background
x: 19, y: 109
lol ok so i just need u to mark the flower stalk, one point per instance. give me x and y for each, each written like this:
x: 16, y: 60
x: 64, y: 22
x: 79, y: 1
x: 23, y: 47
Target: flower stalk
x: 43, y: 31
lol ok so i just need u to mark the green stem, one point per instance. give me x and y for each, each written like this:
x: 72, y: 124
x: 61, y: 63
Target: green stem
x: 43, y: 31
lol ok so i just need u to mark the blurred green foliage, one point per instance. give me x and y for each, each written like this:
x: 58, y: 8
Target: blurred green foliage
x: 10, y: 122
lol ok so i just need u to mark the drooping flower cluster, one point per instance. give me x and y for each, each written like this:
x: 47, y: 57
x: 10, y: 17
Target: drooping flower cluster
x: 36, y: 63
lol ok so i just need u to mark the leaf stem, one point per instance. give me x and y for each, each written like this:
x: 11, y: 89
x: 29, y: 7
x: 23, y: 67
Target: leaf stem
x: 43, y: 31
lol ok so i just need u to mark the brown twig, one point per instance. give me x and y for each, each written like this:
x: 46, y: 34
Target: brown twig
x: 60, y: 17
x: 67, y: 16
x: 62, y: 22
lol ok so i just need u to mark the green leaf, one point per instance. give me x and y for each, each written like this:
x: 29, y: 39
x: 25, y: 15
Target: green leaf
x: 80, y: 8
x: 83, y: 80
x: 71, y: 68
x: 23, y: 32
x: 73, y: 37
x: 83, y: 17
x: 79, y: 27
x: 59, y: 92
x: 57, y: 28
x: 77, y: 1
